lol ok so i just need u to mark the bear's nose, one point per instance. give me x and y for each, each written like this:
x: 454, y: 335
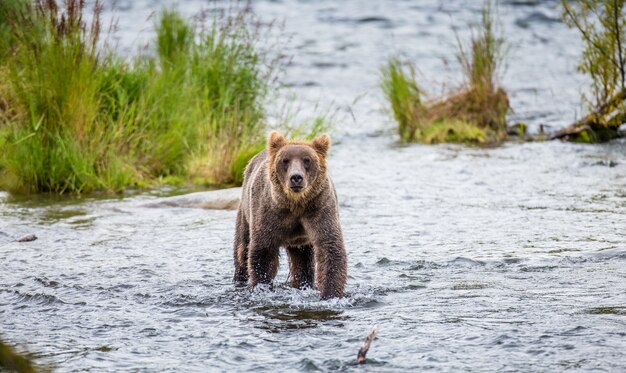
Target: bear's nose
x: 296, y: 179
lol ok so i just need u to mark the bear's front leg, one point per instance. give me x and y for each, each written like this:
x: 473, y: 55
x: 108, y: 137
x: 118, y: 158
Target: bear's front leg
x: 331, y: 261
x: 262, y: 260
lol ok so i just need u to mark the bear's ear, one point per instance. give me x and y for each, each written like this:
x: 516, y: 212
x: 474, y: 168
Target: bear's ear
x: 275, y: 141
x: 322, y: 144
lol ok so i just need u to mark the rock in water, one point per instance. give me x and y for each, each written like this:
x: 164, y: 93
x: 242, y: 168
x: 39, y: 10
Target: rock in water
x: 222, y: 199
x: 27, y: 238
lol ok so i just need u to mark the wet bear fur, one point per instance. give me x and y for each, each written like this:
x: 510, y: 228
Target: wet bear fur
x: 288, y: 200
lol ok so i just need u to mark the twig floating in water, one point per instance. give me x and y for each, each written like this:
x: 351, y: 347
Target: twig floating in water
x: 360, y: 359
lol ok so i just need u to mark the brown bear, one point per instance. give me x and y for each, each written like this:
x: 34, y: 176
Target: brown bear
x: 289, y: 201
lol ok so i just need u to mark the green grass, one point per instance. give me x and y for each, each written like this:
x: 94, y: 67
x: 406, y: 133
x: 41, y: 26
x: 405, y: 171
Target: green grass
x: 75, y: 118
x: 475, y: 112
x: 405, y: 98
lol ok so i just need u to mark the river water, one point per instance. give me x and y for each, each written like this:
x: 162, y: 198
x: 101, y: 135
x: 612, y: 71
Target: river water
x: 468, y: 259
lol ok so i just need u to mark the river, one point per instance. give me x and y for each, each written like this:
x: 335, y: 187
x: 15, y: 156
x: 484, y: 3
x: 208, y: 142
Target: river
x: 509, y: 258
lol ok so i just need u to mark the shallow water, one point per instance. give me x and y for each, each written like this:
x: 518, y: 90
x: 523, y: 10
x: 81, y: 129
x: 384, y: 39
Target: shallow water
x: 510, y: 259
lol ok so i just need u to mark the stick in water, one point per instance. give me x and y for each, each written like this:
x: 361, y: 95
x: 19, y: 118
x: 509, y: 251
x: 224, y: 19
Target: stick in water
x: 360, y: 359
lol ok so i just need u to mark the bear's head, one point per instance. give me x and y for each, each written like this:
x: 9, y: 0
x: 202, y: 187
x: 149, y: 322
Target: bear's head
x: 297, y: 167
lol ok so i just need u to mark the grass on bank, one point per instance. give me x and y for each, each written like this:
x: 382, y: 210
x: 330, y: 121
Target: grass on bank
x: 75, y: 117
x: 475, y: 112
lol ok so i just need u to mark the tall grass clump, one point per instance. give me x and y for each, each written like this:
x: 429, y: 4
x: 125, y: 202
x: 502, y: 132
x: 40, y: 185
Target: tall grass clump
x: 405, y: 98
x: 75, y: 117
x: 475, y: 112
x: 51, y: 69
x: 602, y: 28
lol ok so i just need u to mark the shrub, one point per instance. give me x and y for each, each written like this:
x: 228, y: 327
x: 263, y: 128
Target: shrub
x: 602, y: 28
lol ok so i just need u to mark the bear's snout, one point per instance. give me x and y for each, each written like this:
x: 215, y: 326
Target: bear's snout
x: 296, y: 182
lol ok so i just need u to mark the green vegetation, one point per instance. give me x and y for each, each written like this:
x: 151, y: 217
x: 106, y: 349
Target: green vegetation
x: 77, y: 118
x: 602, y: 28
x: 475, y: 112
x: 12, y: 361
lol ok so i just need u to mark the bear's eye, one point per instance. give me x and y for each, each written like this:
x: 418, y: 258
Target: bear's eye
x: 285, y: 160
x: 307, y: 161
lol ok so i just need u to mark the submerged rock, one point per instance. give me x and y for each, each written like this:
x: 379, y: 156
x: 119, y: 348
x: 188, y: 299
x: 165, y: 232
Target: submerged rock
x: 222, y: 199
x: 27, y: 238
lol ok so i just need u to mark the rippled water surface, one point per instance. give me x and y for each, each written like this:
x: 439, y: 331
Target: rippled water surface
x: 468, y: 259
